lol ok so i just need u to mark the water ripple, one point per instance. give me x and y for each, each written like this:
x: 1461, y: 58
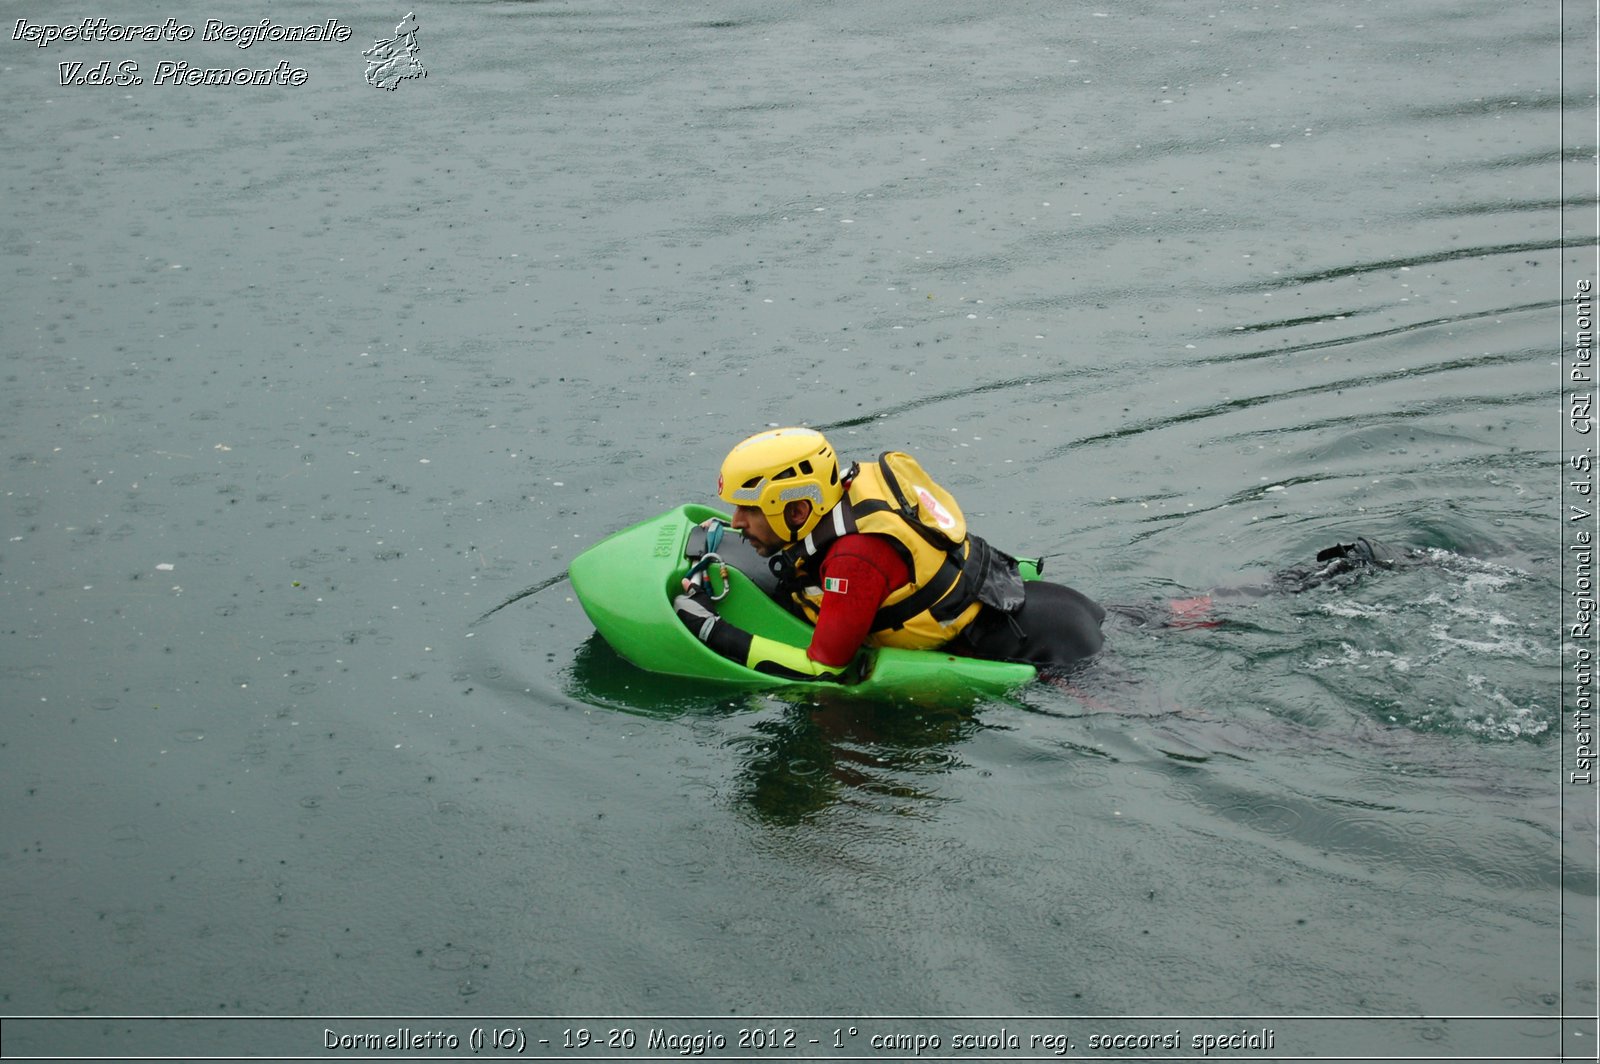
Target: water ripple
x: 1452, y: 255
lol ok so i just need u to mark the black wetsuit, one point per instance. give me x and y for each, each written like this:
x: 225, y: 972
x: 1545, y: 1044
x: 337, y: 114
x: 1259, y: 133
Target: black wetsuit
x: 1335, y: 561
x: 1056, y: 627
x: 1331, y: 562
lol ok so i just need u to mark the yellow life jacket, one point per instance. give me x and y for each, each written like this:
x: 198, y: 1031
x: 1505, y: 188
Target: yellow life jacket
x: 894, y: 497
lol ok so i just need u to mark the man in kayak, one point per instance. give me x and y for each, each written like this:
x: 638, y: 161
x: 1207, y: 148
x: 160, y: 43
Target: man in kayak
x: 878, y: 555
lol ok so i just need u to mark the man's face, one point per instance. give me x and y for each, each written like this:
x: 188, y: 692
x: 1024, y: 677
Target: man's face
x: 753, y: 525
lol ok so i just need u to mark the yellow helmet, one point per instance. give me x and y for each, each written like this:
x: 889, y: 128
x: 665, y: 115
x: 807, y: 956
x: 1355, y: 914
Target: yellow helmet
x: 772, y: 469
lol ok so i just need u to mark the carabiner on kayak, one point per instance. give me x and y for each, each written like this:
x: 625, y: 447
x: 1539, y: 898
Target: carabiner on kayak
x: 702, y: 566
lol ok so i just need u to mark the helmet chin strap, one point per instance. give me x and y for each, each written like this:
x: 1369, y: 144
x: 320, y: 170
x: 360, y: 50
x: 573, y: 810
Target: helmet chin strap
x: 793, y: 526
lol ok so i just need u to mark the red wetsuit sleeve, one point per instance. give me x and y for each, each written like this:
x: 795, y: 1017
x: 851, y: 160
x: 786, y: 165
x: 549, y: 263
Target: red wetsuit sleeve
x: 857, y: 575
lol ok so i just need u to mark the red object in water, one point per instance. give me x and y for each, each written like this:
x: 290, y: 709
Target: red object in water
x: 1192, y: 613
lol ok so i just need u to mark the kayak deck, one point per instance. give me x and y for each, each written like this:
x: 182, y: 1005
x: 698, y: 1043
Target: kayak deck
x: 626, y: 584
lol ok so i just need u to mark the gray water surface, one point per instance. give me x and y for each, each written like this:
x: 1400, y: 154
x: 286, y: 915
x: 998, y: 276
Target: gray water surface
x: 300, y: 381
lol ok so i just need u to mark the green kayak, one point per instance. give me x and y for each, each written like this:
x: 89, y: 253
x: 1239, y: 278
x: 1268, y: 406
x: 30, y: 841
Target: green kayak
x: 626, y: 584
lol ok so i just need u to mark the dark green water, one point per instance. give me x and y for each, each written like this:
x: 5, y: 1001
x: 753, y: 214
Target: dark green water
x: 299, y: 381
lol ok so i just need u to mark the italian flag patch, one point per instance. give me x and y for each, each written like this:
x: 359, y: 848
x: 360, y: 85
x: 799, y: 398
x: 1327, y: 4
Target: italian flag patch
x: 834, y: 584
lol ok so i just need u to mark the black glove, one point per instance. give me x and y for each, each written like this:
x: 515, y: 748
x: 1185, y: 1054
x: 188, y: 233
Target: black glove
x: 695, y: 610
